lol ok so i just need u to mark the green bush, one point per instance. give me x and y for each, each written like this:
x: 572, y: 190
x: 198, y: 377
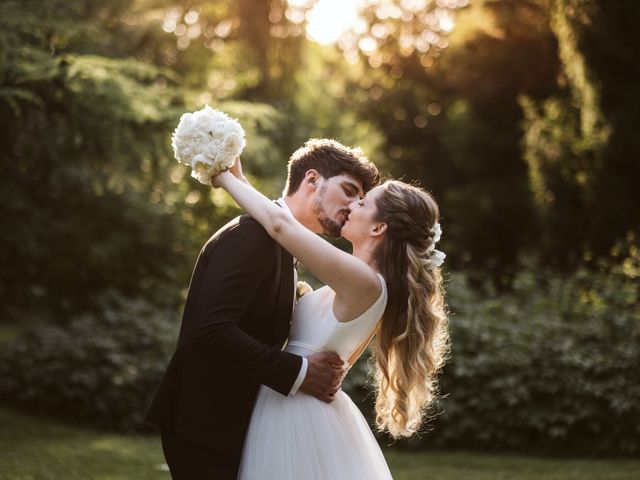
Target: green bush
x: 553, y: 365
x: 101, y: 369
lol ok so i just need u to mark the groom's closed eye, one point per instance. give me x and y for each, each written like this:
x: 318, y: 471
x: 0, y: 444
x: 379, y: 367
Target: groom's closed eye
x: 350, y: 190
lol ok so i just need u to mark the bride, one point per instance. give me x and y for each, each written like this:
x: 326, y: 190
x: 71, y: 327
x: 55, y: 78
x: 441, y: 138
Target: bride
x: 391, y: 287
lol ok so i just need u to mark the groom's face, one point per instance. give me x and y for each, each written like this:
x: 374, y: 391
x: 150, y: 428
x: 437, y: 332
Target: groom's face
x: 332, y: 199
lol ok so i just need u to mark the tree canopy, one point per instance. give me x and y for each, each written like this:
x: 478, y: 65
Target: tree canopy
x: 517, y: 114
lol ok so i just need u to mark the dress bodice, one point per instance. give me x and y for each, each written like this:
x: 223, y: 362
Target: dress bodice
x: 314, y: 327
x: 298, y: 436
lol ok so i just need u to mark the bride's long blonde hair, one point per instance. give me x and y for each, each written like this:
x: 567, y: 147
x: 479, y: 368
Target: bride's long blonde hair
x: 413, y: 340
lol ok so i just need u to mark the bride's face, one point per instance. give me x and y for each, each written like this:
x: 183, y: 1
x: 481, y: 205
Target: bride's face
x: 361, y: 222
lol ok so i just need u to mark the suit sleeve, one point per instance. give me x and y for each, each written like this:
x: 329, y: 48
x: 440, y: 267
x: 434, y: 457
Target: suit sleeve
x: 236, y: 266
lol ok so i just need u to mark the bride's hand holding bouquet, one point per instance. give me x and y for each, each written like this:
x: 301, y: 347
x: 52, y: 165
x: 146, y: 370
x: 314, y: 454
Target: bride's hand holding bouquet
x: 209, y: 141
x: 235, y: 170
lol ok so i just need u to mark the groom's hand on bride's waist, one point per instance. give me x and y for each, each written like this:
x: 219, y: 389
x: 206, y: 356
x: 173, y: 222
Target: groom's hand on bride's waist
x: 324, y: 376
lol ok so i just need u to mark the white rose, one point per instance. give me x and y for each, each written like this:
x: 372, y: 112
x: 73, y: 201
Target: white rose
x: 210, y: 125
x: 201, y: 138
x: 302, y: 288
x: 437, y: 258
x: 188, y: 125
x: 203, y: 177
x: 200, y: 161
x: 218, y: 130
x: 182, y: 153
x: 202, y: 119
x: 437, y: 233
x: 188, y: 151
x: 228, y: 128
x: 232, y: 142
x: 212, y: 150
x: 202, y: 169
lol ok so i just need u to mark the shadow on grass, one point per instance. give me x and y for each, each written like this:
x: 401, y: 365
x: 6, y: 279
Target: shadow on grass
x: 35, y: 448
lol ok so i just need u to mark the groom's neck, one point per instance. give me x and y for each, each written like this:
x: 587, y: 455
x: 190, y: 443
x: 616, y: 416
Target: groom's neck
x: 301, y: 210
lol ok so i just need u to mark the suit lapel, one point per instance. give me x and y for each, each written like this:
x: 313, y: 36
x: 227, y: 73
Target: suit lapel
x: 284, y: 304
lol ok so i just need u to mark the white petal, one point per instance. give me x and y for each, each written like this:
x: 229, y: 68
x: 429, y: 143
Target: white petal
x: 437, y: 258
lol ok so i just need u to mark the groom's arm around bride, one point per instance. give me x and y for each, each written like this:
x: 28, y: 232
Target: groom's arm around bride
x: 236, y: 319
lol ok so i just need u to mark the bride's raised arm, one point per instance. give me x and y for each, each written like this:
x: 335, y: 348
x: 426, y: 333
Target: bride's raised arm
x: 351, y: 278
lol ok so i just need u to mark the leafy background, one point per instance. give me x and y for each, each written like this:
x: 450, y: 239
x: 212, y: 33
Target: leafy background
x: 519, y: 115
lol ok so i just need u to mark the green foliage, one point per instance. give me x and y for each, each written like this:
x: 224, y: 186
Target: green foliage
x: 449, y: 118
x: 502, y: 48
x: 246, y: 49
x: 90, y: 91
x: 558, y: 165
x: 552, y: 366
x: 324, y: 107
x: 580, y: 142
x: 525, y: 107
x: 91, y: 198
x: 80, y: 129
x: 102, y: 369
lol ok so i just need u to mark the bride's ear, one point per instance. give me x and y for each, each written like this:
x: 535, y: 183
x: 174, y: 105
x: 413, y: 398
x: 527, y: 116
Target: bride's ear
x: 379, y: 229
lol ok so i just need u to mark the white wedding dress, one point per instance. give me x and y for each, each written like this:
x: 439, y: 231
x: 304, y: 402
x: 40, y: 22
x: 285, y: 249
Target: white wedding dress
x: 300, y: 437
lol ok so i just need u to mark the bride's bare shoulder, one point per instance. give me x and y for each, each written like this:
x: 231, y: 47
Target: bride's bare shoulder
x: 353, y: 300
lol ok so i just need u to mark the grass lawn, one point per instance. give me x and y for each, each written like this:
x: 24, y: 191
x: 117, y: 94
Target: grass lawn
x: 35, y: 449
x: 478, y: 466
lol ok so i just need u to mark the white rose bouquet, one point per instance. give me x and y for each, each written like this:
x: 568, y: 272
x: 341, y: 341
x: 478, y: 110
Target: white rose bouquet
x: 208, y: 141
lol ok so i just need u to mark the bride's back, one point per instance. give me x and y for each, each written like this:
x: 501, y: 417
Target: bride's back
x: 314, y: 327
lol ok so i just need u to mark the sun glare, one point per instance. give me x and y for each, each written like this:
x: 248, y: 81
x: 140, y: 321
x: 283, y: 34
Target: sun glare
x: 329, y: 19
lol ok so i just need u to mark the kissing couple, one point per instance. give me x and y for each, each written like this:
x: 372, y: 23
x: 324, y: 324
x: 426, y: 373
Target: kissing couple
x: 233, y: 402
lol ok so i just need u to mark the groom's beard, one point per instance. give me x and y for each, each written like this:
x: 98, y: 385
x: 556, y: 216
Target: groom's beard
x: 329, y: 226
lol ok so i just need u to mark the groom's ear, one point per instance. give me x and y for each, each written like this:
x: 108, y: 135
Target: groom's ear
x: 311, y: 177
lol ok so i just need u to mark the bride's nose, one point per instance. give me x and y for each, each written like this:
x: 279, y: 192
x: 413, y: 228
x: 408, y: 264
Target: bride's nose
x: 353, y: 205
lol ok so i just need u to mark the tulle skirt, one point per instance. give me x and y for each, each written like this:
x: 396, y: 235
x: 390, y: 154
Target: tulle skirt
x: 302, y: 438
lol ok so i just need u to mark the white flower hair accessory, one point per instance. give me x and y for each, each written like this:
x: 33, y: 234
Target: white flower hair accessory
x: 437, y: 232
x: 209, y: 141
x: 436, y: 257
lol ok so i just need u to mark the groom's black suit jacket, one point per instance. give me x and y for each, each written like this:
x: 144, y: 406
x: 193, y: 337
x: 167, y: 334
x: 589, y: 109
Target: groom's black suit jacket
x: 236, y: 319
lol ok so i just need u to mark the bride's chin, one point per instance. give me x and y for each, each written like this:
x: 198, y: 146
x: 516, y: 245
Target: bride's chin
x: 344, y: 232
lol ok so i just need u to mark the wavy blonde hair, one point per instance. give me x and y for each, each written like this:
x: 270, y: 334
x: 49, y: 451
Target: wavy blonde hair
x: 413, y: 340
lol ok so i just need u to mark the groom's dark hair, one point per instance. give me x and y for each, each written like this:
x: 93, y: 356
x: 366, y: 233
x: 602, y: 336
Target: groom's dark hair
x: 329, y: 158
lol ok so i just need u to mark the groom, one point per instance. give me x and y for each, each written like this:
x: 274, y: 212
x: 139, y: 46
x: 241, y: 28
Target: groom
x: 237, y: 316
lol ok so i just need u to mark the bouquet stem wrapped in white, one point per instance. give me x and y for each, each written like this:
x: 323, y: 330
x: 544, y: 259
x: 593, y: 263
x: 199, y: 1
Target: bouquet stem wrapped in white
x: 208, y: 141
